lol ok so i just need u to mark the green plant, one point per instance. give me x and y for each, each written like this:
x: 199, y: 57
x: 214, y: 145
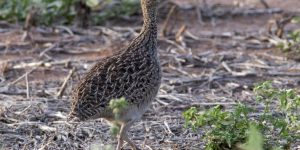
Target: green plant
x: 63, y: 11
x: 287, y: 119
x: 291, y: 43
x: 279, y: 117
x: 292, y: 40
x: 254, y: 141
x: 296, y: 19
x: 117, y: 106
x: 119, y: 9
x: 223, y: 133
x: 48, y: 10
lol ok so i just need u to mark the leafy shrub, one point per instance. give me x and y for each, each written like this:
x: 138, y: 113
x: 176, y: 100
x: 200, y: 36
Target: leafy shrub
x: 228, y: 128
x: 48, y: 10
x: 118, y: 9
x: 63, y: 10
x: 292, y: 40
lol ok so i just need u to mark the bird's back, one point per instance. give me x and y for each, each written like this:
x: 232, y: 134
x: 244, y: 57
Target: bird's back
x: 133, y: 73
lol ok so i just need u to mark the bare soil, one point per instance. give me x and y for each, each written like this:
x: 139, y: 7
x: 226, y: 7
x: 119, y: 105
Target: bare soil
x: 216, y: 62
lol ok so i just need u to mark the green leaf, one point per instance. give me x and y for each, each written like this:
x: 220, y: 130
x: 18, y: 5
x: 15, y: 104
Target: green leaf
x: 117, y: 106
x: 92, y: 3
x: 114, y: 130
x: 255, y: 140
x: 296, y: 19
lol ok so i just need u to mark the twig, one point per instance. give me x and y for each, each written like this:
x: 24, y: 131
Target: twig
x: 180, y: 32
x: 63, y: 87
x: 239, y: 12
x: 27, y: 86
x: 173, y: 43
x: 243, y: 65
x: 194, y: 37
x: 168, y: 128
x: 25, y: 123
x: 40, y: 63
x: 148, y: 147
x: 223, y: 88
x: 168, y: 96
x: 224, y: 64
x: 198, y: 11
x: 21, y: 77
x: 25, y: 65
x: 132, y: 30
x: 29, y: 22
x: 265, y: 4
x: 66, y: 29
x: 48, y: 49
x: 237, y: 74
x: 162, y: 102
x: 166, y: 23
x: 22, y: 112
x: 179, y: 70
x: 276, y: 73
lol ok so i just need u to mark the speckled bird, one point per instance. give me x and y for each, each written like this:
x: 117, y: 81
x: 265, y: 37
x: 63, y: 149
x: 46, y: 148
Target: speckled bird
x: 133, y: 73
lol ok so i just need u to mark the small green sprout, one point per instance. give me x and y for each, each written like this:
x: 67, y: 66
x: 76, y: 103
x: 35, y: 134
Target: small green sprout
x: 117, y: 106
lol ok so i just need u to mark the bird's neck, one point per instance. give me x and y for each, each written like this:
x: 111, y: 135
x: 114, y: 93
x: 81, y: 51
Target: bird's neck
x: 148, y: 35
x: 149, y: 17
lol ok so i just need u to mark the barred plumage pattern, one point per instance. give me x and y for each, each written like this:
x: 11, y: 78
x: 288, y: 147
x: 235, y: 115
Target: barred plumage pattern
x: 133, y: 73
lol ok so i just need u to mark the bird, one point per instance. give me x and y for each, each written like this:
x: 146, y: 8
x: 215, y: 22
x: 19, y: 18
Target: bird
x: 133, y: 73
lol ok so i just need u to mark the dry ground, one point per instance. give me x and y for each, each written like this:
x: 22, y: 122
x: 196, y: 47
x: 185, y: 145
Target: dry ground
x: 207, y: 64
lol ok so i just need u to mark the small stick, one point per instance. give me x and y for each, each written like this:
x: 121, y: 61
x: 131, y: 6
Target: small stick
x: 29, y: 19
x: 180, y: 33
x: 22, y: 112
x: 29, y: 22
x: 225, y: 65
x: 66, y: 29
x: 48, y: 49
x: 192, y: 36
x: 265, y: 4
x: 20, y: 78
x: 164, y: 27
x: 168, y: 128
x: 64, y: 85
x: 162, y: 102
x: 198, y: 11
x: 27, y: 86
x: 173, y: 43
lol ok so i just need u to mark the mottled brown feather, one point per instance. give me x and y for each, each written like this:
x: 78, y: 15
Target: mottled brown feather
x: 133, y: 73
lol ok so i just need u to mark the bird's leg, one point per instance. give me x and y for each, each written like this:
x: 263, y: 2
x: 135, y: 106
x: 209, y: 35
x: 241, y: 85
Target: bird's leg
x: 120, y: 143
x: 120, y: 139
x: 123, y: 136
